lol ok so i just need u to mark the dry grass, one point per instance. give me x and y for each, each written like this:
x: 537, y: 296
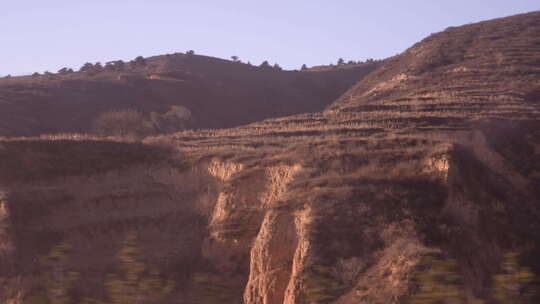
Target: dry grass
x: 59, y: 156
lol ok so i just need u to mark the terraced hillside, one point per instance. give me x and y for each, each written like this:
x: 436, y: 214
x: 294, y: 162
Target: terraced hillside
x: 214, y: 93
x: 420, y: 159
x: 485, y: 70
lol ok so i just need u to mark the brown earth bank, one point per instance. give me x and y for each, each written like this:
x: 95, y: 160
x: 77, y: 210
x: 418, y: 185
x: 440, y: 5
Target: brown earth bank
x: 341, y: 206
x: 215, y: 93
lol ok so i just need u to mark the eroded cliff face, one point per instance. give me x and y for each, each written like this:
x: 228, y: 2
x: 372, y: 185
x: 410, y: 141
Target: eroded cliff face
x: 189, y: 220
x: 349, y: 224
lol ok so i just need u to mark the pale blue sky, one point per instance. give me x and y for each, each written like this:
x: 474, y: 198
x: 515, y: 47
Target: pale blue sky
x: 39, y: 35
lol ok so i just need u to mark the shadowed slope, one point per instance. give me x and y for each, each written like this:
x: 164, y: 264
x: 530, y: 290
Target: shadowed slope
x: 218, y: 94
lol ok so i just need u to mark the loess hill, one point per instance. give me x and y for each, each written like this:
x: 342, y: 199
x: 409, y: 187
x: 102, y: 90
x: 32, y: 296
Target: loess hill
x: 435, y: 153
x: 217, y: 93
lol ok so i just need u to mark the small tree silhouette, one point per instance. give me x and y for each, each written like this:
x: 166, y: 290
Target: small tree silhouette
x: 190, y: 52
x: 98, y: 67
x: 88, y: 68
x: 139, y: 61
x: 63, y: 71
x: 234, y: 58
x: 341, y: 61
x: 117, y: 66
x: 265, y: 65
x: 109, y: 66
x: 304, y: 67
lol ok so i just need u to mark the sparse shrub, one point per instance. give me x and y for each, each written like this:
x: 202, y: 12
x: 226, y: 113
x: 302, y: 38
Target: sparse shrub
x: 176, y: 119
x: 190, y: 52
x: 36, y: 74
x: 321, y: 285
x: 515, y: 284
x: 55, y: 280
x: 212, y: 289
x: 439, y: 281
x: 134, y: 282
x: 123, y: 123
x: 348, y: 270
x: 277, y: 67
x: 304, y: 67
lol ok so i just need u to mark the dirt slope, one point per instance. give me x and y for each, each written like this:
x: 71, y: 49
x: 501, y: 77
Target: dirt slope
x: 488, y: 68
x: 218, y: 93
x: 334, y: 207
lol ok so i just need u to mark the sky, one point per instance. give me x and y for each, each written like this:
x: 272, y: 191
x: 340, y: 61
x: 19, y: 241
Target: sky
x: 38, y: 36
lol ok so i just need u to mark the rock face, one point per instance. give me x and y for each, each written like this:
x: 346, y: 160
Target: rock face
x: 334, y: 207
x: 274, y: 245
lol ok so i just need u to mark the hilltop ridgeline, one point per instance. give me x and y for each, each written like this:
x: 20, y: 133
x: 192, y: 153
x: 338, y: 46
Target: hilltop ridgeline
x: 170, y: 92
